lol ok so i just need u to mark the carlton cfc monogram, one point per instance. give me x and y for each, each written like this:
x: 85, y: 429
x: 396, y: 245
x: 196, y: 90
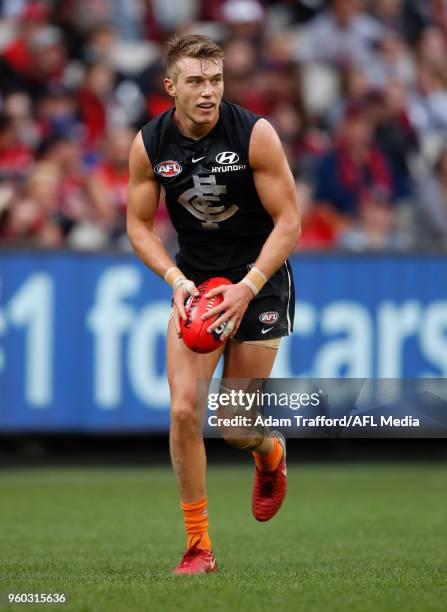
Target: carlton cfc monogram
x: 198, y: 199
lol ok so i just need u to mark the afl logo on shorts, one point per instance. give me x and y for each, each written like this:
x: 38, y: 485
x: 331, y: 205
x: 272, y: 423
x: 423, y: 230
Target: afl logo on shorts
x: 270, y: 317
x: 227, y: 157
x: 168, y: 169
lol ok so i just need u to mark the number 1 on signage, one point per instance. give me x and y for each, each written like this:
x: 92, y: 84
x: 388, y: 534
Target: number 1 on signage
x: 32, y: 308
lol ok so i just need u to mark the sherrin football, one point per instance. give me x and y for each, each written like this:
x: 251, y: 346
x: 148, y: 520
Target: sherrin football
x: 194, y: 329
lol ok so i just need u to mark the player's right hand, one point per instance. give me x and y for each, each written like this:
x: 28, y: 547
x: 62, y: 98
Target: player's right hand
x: 182, y: 289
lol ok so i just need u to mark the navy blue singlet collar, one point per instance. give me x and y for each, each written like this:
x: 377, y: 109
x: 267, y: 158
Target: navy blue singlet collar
x: 193, y: 141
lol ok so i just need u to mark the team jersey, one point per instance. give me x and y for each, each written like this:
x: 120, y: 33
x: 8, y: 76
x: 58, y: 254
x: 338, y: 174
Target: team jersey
x: 210, y: 192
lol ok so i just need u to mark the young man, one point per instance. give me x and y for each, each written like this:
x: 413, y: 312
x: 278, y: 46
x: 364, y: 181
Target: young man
x: 232, y: 200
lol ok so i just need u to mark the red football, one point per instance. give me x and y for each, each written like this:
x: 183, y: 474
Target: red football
x: 194, y: 330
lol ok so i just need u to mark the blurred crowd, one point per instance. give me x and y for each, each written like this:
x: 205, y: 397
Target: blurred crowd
x: 357, y: 90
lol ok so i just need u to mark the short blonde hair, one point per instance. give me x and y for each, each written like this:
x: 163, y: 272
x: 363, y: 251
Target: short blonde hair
x: 193, y: 45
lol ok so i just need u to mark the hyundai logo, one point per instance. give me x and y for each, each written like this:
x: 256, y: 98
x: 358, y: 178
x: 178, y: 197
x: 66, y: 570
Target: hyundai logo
x: 227, y: 157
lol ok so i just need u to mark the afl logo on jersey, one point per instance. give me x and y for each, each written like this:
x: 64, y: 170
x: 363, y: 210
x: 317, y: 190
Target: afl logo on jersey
x: 227, y: 157
x: 269, y: 317
x: 168, y: 169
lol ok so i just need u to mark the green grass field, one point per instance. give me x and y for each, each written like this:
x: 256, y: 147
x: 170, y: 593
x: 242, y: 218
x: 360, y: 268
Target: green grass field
x: 366, y: 537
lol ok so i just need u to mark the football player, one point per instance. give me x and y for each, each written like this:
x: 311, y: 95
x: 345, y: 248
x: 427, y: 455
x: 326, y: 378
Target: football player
x: 232, y: 200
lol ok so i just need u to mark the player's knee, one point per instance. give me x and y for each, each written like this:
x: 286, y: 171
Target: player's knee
x: 183, y: 416
x: 183, y: 409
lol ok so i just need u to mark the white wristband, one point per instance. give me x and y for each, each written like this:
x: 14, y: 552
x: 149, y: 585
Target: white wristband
x: 260, y: 272
x: 168, y: 271
x: 185, y: 284
x: 252, y: 286
x: 178, y: 281
x: 172, y: 274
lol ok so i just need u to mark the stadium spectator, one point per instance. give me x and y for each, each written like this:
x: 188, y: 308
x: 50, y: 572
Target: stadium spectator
x: 353, y: 165
x: 16, y: 63
x: 375, y: 226
x: 57, y: 114
x: 127, y: 18
x: 74, y: 205
x: 65, y: 17
x: 390, y: 13
x: 430, y: 221
x: 107, y: 184
x: 151, y: 87
x: 304, y: 143
x: 241, y: 74
x: 319, y: 225
x: 18, y: 106
x: 15, y: 157
x: 354, y: 87
x: 392, y: 61
x: 298, y: 11
x: 395, y: 134
x: 428, y: 100
x: 435, y: 13
x: 99, y: 44
x: 341, y: 35
x: 211, y: 10
x: 40, y: 62
x: 432, y: 46
x: 95, y: 99
x: 174, y: 15
x: 243, y: 18
x: 32, y: 219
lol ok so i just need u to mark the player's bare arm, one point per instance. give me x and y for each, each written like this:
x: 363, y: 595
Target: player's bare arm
x: 142, y: 202
x: 276, y: 189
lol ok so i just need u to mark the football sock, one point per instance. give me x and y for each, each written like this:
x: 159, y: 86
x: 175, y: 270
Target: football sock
x: 268, y: 463
x: 196, y: 523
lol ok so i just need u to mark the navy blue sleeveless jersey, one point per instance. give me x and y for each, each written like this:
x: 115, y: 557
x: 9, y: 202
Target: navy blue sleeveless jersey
x: 210, y: 192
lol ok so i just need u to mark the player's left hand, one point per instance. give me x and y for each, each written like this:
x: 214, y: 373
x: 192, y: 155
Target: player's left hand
x: 236, y: 299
